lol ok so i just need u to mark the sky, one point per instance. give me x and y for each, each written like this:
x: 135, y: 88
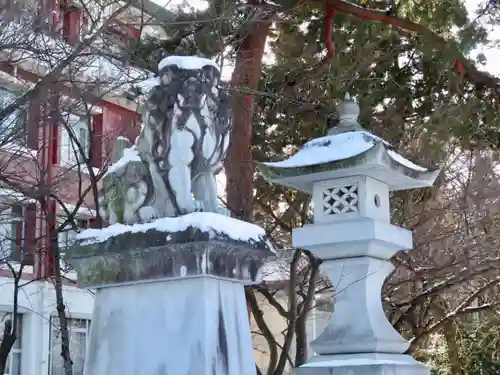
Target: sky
x: 492, y: 54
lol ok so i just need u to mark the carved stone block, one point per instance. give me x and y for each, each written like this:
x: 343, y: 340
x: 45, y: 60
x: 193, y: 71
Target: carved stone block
x: 156, y: 253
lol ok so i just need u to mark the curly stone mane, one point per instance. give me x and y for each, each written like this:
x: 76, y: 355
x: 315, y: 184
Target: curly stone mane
x: 182, y: 145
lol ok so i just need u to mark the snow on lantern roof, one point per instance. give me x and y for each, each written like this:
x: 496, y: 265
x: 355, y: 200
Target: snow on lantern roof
x: 348, y: 150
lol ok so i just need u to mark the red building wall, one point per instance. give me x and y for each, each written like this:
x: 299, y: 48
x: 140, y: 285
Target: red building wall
x: 118, y: 121
x: 67, y: 22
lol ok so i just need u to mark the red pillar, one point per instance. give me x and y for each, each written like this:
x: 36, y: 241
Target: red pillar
x: 48, y: 155
x: 97, y: 146
x: 30, y: 236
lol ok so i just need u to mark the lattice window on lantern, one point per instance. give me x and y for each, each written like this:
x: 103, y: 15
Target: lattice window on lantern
x: 340, y: 200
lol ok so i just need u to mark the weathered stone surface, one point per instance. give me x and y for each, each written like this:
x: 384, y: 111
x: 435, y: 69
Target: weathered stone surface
x: 170, y: 169
x: 155, y: 254
x: 168, y: 278
x: 358, y: 324
x: 195, y: 326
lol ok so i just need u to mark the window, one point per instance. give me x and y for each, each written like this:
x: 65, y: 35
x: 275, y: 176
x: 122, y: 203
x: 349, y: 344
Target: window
x: 79, y: 330
x: 83, y: 140
x: 80, y: 139
x: 67, y: 237
x: 12, y: 231
x: 17, y: 229
x: 13, y: 127
x: 72, y: 22
x: 61, y: 24
x: 13, y: 366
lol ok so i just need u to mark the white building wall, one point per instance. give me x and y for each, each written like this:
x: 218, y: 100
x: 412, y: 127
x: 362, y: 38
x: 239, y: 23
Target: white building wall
x: 37, y: 304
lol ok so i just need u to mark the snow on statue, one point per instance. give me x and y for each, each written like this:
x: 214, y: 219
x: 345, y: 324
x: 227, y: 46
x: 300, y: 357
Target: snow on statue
x: 181, y: 147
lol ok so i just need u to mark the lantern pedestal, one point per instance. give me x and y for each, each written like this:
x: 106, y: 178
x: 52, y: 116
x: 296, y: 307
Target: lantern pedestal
x: 359, y: 339
x: 358, y: 324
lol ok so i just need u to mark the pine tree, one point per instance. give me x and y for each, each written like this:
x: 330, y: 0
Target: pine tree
x: 401, y: 61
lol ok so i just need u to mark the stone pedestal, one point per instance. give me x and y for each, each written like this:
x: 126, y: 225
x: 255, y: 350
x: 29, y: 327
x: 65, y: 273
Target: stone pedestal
x: 359, y: 340
x: 169, y: 303
x: 193, y: 326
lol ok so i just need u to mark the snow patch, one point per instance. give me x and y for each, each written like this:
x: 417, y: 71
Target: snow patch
x: 148, y: 84
x: 92, y: 65
x: 205, y: 221
x: 19, y: 150
x: 122, y: 138
x: 16, y: 268
x: 339, y: 147
x: 186, y: 62
x: 355, y: 362
x: 82, y: 212
x: 15, y: 196
x: 401, y: 160
x: 329, y: 148
x: 129, y: 155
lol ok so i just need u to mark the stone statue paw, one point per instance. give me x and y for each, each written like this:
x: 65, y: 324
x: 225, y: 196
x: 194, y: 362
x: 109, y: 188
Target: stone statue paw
x: 198, y: 206
x: 193, y: 206
x: 148, y: 214
x: 113, y: 219
x: 223, y: 211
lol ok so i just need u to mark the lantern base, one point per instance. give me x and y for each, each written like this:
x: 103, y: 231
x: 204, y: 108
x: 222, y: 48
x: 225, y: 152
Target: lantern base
x: 363, y: 364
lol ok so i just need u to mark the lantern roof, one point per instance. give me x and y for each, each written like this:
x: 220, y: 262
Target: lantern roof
x: 348, y: 150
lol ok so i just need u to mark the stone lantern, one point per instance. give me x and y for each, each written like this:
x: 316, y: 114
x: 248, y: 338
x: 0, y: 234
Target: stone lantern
x: 350, y: 173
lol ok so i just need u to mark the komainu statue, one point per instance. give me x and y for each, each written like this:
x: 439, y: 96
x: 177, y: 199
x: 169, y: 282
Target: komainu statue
x: 170, y: 170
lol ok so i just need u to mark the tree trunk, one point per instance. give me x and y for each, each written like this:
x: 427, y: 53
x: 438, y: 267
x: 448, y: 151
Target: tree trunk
x: 10, y: 326
x: 8, y: 340
x: 301, y: 353
x: 53, y: 251
x: 450, y: 334
x: 301, y: 342
x: 61, y: 313
x: 246, y: 75
x: 238, y: 163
